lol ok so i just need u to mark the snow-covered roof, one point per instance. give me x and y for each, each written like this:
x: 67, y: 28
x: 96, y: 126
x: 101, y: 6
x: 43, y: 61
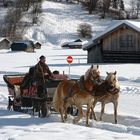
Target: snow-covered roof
x: 36, y: 42
x: 24, y: 41
x: 65, y: 43
x: 133, y: 24
x: 2, y: 38
x: 75, y: 43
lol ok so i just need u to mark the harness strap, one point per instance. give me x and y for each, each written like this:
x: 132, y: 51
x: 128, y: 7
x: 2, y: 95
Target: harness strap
x: 81, y: 83
x: 116, y: 90
x: 70, y: 92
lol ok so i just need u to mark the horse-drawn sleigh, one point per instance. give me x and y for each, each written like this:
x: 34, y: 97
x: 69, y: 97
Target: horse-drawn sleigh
x: 26, y: 99
x: 63, y: 93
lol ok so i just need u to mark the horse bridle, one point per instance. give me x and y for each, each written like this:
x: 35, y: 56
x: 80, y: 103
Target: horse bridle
x: 112, y: 89
x: 95, y: 78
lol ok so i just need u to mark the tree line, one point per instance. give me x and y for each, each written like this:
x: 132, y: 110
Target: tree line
x: 114, y: 8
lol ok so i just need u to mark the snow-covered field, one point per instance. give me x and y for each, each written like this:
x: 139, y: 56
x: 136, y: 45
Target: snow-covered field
x: 16, y: 126
x: 54, y: 30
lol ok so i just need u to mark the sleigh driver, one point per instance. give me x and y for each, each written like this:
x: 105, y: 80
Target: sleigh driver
x: 42, y: 74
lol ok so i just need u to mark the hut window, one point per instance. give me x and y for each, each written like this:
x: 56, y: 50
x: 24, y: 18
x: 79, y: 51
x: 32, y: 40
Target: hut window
x: 126, y: 41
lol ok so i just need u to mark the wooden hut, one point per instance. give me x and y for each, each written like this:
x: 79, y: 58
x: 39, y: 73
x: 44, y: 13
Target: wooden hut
x: 73, y: 45
x: 118, y: 43
x: 4, y: 43
x: 26, y: 45
x: 37, y: 45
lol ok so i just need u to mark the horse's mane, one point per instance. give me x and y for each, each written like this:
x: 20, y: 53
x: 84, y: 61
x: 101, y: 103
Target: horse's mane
x: 86, y: 76
x: 87, y: 73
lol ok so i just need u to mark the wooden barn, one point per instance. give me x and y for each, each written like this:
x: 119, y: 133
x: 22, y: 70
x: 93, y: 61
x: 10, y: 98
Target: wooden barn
x: 120, y: 43
x: 73, y: 45
x: 4, y: 43
x: 27, y: 46
x: 37, y: 45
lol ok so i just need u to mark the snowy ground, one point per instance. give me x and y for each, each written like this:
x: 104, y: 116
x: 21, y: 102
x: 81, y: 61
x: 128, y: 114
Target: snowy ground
x: 17, y: 126
x: 54, y: 30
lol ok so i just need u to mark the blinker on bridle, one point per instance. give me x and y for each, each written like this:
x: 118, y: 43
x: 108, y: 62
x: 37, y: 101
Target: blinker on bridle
x: 95, y: 78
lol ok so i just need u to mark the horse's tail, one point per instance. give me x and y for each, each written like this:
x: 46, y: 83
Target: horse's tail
x: 62, y: 92
x: 57, y: 101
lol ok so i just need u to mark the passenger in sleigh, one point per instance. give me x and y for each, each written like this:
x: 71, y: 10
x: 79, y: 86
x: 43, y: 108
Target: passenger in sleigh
x: 28, y: 85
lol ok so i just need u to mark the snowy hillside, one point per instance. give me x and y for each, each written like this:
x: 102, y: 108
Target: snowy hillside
x: 59, y: 24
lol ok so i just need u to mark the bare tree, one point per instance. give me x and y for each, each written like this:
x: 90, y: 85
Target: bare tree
x: 134, y: 10
x: 36, y: 11
x: 115, y: 4
x: 121, y: 5
x: 105, y: 7
x: 15, y: 25
x: 138, y: 8
x: 92, y: 5
x: 85, y: 30
x: 23, y: 4
x: 12, y: 20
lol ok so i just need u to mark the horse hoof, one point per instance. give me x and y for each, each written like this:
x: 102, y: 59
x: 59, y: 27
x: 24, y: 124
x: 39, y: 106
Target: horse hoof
x: 87, y: 125
x: 65, y: 117
x: 75, y: 121
x: 62, y: 121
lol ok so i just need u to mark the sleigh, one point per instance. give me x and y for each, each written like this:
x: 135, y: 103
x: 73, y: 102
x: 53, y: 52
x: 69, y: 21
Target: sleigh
x: 27, y: 100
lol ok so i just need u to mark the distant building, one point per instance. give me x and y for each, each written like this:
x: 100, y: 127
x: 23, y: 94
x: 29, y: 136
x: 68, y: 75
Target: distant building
x: 119, y: 43
x: 37, y: 45
x: 26, y: 45
x: 4, y: 43
x: 73, y: 45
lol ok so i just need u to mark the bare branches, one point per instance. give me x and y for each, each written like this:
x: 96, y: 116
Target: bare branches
x: 14, y: 23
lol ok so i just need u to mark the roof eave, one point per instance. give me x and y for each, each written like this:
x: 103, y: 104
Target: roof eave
x: 89, y: 46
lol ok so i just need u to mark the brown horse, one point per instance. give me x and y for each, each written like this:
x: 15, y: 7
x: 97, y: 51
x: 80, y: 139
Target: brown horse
x: 70, y: 92
x: 107, y: 92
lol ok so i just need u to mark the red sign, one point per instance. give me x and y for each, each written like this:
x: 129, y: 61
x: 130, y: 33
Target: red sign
x: 69, y: 59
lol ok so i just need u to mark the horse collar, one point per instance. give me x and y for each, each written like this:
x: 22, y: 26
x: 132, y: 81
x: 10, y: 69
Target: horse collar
x: 114, y: 91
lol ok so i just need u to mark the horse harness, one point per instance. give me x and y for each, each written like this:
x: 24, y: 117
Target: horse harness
x: 80, y: 84
x: 104, y: 89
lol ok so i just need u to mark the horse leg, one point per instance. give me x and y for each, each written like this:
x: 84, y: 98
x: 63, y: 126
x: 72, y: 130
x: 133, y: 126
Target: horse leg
x: 102, y: 110
x: 115, y: 111
x: 44, y: 109
x: 61, y: 113
x: 89, y: 106
x: 92, y: 110
x: 66, y: 105
x: 80, y: 114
